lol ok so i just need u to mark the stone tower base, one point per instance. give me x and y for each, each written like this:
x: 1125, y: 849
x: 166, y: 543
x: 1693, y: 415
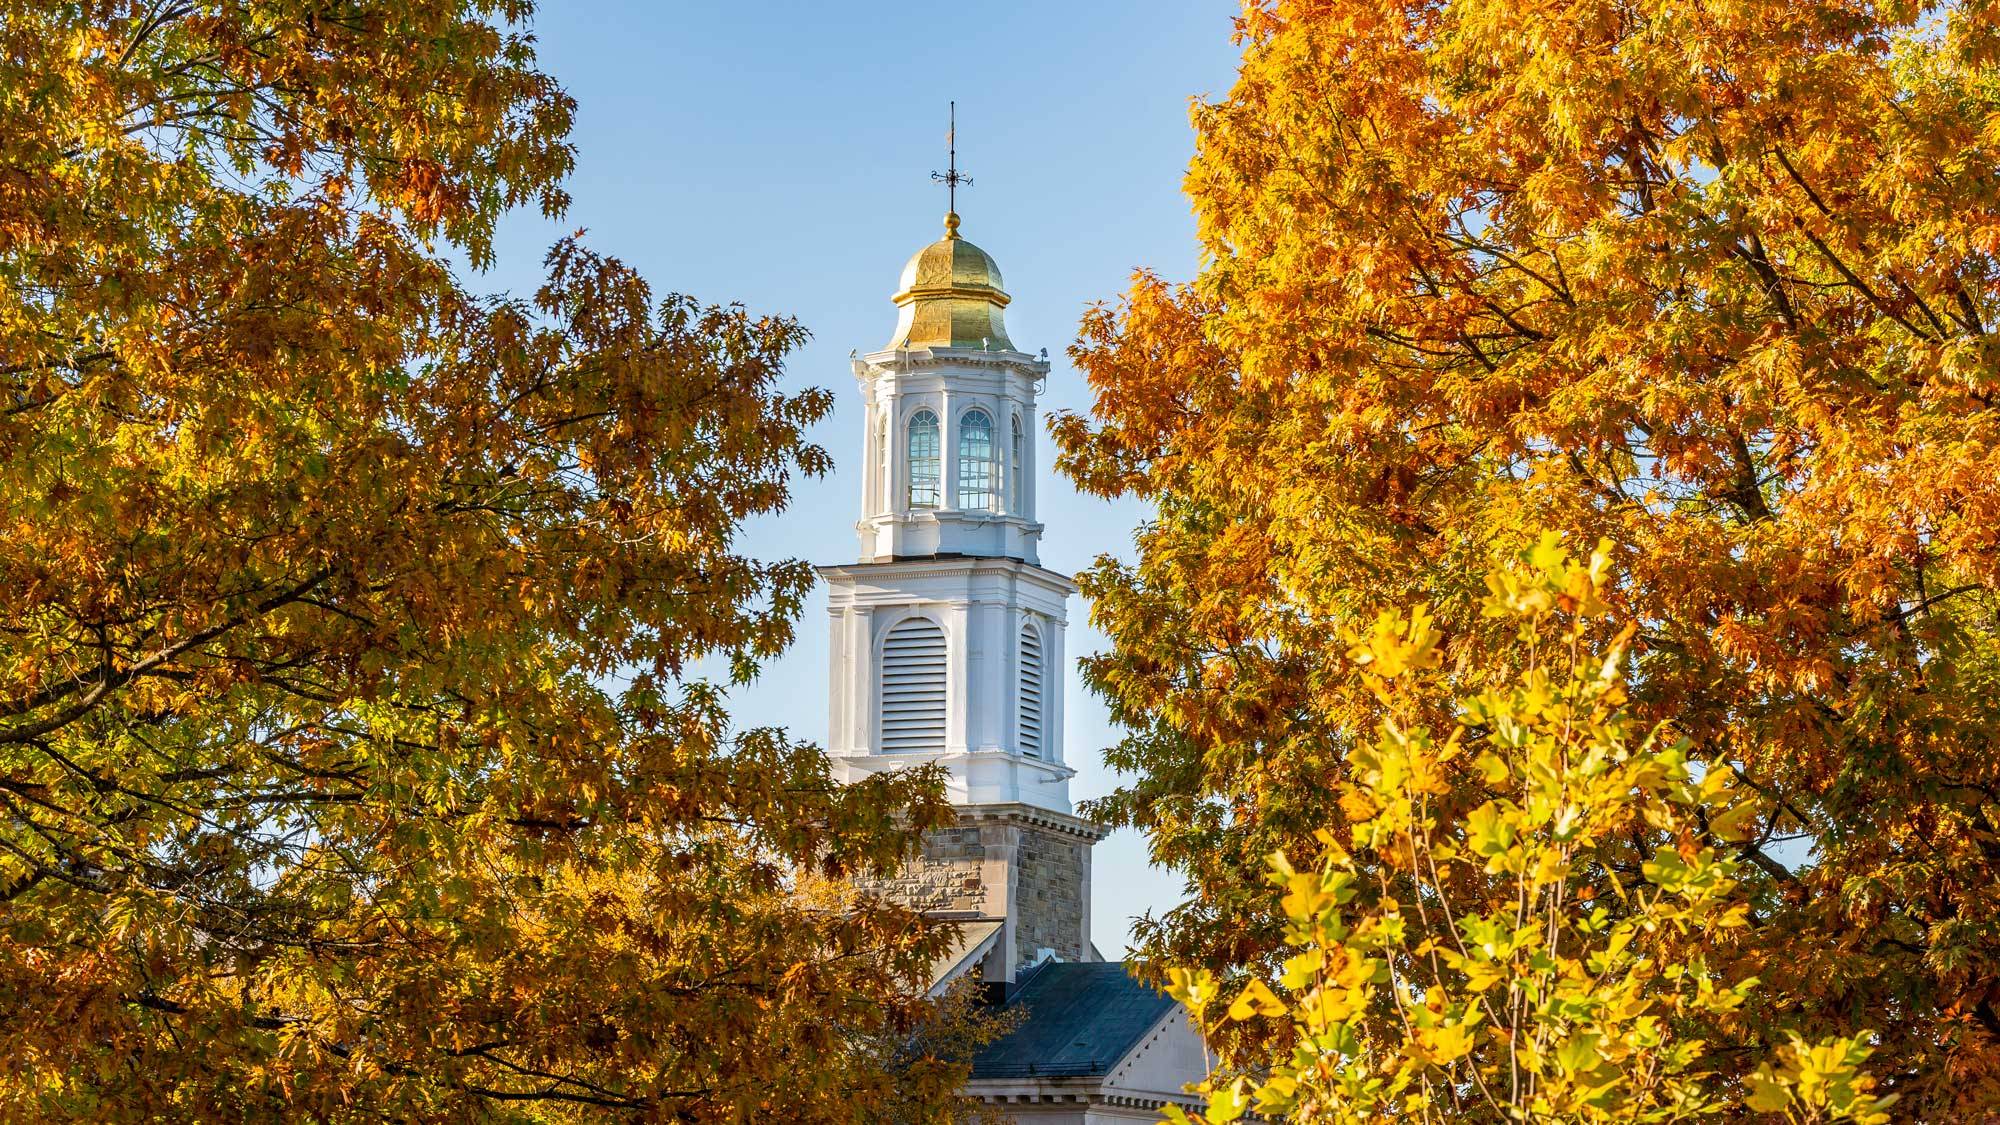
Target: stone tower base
x: 1025, y: 867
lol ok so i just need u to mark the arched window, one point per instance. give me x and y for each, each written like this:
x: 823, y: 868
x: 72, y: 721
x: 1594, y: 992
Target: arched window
x: 913, y: 687
x: 978, y: 475
x: 925, y: 478
x: 1031, y: 691
x: 1019, y: 502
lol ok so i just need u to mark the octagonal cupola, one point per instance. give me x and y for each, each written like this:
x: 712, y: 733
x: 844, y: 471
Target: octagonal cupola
x: 951, y: 421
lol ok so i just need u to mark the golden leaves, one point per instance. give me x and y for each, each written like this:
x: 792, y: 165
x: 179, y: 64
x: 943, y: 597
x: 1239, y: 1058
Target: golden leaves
x: 346, y: 767
x: 1396, y: 644
x: 1457, y: 968
x: 1257, y: 999
x: 1716, y: 282
x: 1823, y: 1080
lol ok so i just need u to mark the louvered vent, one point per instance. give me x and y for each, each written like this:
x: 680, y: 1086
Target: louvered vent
x: 913, y: 687
x: 1031, y: 691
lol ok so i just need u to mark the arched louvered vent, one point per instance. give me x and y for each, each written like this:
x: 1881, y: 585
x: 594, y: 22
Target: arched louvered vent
x: 1031, y: 691
x: 913, y: 687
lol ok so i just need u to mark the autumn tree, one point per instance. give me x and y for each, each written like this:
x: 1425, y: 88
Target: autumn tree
x: 1476, y: 948
x: 348, y: 770
x: 1715, y: 281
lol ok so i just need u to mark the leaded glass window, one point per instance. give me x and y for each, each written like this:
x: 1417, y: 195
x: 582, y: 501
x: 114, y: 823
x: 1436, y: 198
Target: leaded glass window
x: 978, y: 472
x: 925, y: 477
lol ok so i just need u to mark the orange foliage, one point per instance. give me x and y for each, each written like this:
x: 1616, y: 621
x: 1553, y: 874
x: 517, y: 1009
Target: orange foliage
x: 1715, y: 281
x: 346, y: 767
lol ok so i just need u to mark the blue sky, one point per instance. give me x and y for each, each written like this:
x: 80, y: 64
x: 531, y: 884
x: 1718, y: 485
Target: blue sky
x: 779, y: 154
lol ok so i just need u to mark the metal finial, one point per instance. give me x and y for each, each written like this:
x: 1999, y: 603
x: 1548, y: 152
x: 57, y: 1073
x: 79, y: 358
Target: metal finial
x: 951, y: 177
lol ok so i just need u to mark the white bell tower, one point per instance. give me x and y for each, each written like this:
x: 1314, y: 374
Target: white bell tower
x: 947, y: 634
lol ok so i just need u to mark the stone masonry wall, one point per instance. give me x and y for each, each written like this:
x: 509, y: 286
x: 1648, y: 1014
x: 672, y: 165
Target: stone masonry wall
x: 978, y: 869
x: 1048, y: 894
x: 945, y: 879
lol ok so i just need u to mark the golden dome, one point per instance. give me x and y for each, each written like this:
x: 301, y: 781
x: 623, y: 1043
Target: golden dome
x: 950, y: 297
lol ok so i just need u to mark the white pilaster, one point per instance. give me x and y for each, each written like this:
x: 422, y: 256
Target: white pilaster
x: 1053, y: 690
x: 991, y: 675
x: 858, y: 679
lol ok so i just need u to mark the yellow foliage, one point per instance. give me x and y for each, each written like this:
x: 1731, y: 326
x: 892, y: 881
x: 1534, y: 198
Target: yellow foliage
x: 1482, y: 984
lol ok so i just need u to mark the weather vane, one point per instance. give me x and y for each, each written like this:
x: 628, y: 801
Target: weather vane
x: 951, y: 177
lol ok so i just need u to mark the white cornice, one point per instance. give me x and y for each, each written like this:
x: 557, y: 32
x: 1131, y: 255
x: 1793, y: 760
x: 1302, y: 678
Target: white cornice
x: 1055, y: 771
x: 908, y: 361
x: 949, y: 515
x: 1037, y: 817
x: 949, y: 567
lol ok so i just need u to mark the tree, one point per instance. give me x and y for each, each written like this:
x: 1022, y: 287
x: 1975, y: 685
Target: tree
x: 348, y: 770
x: 1456, y: 965
x: 1715, y: 281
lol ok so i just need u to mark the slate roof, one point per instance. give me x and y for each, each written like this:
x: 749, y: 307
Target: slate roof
x: 1078, y: 1021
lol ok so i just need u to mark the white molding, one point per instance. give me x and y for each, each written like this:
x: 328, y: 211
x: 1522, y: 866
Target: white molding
x: 946, y: 566
x: 909, y: 361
